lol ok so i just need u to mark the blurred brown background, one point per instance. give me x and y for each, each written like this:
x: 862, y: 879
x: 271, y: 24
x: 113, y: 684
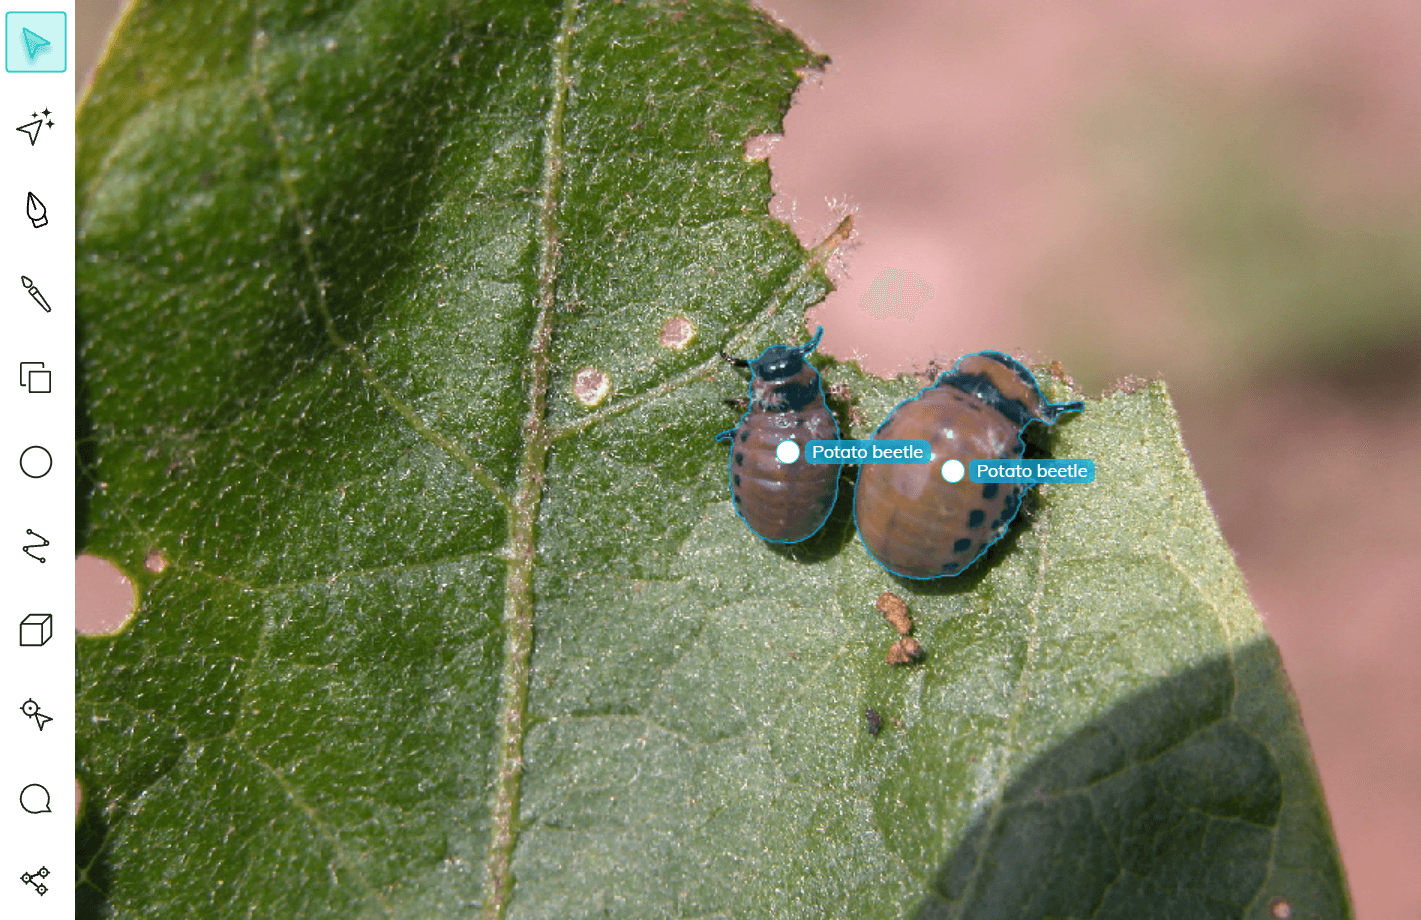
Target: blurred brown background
x: 1224, y: 193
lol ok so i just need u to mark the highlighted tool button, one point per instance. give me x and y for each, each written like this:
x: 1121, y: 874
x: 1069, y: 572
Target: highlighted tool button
x: 37, y: 42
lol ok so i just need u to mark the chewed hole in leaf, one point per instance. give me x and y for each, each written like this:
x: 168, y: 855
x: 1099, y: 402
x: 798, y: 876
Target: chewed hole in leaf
x: 105, y: 599
x: 760, y: 146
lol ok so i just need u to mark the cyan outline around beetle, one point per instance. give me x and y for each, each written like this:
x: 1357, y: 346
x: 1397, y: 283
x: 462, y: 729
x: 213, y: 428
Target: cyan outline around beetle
x: 982, y: 406
x: 782, y: 502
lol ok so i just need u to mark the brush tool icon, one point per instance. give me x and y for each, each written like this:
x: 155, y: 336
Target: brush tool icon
x: 35, y: 294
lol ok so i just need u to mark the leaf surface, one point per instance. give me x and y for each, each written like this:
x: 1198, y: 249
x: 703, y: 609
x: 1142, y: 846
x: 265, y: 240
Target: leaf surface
x: 445, y: 629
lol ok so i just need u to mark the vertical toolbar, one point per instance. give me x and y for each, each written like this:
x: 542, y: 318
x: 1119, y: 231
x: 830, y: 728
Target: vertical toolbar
x: 37, y: 788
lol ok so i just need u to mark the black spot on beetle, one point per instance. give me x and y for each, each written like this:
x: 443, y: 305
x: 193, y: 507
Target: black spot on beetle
x: 744, y: 435
x: 961, y: 546
x: 989, y: 491
x: 736, y: 480
x: 1010, y: 504
x: 739, y: 459
x: 976, y: 518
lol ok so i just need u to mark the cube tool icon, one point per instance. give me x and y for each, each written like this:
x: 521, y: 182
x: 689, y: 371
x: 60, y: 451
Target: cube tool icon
x: 36, y: 629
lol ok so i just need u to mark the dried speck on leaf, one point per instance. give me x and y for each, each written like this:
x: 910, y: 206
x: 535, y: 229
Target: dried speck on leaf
x: 873, y: 721
x: 676, y: 333
x: 1280, y: 909
x: 936, y: 367
x: 591, y: 386
x: 895, y: 611
x: 905, y: 651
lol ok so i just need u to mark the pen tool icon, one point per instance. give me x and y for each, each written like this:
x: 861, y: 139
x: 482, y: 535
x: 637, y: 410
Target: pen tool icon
x: 34, y: 210
x: 34, y: 293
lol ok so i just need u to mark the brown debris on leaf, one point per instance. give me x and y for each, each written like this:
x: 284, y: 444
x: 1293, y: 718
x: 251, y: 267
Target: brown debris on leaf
x: 1058, y: 371
x: 841, y: 400
x: 895, y: 611
x: 905, y: 651
x: 936, y: 367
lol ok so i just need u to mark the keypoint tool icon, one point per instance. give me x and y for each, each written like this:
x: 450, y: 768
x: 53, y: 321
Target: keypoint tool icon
x: 31, y: 710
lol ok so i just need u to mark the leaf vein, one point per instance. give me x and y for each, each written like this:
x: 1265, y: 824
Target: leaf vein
x: 523, y: 516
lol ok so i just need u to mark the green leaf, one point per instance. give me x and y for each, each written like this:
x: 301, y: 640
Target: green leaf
x: 436, y: 638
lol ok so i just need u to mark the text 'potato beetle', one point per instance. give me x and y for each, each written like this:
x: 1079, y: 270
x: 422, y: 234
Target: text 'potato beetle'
x: 914, y: 522
x: 781, y: 497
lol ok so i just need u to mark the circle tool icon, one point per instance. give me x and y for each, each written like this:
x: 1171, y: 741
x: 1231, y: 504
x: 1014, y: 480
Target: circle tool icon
x: 36, y: 462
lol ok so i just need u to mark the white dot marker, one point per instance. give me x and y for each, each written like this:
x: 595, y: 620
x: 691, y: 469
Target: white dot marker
x: 953, y: 471
x: 787, y: 452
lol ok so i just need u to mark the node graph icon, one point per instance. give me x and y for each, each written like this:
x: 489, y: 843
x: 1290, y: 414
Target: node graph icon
x: 29, y: 878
